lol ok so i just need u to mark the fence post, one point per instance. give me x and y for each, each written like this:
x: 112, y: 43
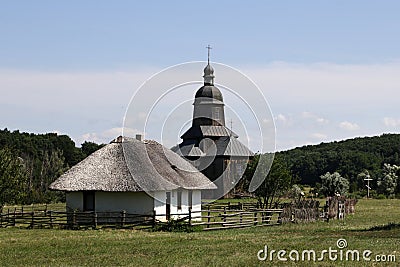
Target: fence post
x: 95, y: 219
x: 208, y: 217
x: 33, y: 219
x: 190, y: 216
x: 224, y: 216
x: 279, y: 217
x: 240, y: 216
x: 51, y: 219
x: 154, y: 219
x: 73, y: 218
x: 255, y: 218
x: 14, y: 216
x: 123, y: 215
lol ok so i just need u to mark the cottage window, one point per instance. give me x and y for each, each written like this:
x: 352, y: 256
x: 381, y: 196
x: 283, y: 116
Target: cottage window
x: 179, y: 199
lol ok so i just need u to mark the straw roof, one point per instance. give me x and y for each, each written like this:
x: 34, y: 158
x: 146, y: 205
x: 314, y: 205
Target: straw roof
x: 129, y: 165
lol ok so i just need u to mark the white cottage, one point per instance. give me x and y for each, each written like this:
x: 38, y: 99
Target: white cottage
x: 138, y: 177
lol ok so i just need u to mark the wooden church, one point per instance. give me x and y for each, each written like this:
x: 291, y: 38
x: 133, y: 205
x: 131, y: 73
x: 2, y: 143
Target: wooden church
x: 209, y: 145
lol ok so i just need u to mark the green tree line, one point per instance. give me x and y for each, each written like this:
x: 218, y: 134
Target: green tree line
x: 335, y: 167
x: 30, y: 162
x: 349, y: 158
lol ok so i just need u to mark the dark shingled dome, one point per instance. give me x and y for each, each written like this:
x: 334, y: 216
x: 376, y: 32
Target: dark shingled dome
x: 209, y: 91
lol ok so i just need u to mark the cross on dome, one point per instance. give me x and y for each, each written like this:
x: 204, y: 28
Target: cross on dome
x: 208, y: 70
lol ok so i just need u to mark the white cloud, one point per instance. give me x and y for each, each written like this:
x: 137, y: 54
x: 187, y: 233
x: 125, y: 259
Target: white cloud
x: 319, y: 136
x: 323, y: 84
x: 82, y: 104
x: 391, y: 122
x: 282, y: 119
x: 314, y: 117
x: 349, y: 126
x: 108, y: 135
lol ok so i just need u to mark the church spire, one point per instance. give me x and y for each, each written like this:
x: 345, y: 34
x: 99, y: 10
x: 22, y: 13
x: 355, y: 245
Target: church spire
x: 208, y: 58
x: 208, y: 70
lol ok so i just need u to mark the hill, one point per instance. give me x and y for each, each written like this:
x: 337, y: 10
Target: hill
x: 349, y: 158
x: 41, y: 158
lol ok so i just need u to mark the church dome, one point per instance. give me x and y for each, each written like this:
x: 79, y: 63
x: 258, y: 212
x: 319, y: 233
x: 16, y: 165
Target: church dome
x: 209, y: 91
x: 208, y: 70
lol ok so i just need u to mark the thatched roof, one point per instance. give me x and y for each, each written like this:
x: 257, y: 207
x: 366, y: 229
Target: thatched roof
x: 129, y: 165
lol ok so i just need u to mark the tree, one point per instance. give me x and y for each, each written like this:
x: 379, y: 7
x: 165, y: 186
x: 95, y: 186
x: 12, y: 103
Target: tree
x: 388, y: 182
x: 52, y: 168
x: 12, y: 178
x: 295, y: 193
x: 276, y: 184
x: 334, y: 183
x: 89, y: 147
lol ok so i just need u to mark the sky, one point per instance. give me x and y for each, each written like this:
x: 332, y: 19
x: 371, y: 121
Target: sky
x: 329, y: 70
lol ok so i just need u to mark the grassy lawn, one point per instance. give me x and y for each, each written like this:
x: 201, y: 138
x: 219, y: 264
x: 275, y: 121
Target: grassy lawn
x: 236, y: 247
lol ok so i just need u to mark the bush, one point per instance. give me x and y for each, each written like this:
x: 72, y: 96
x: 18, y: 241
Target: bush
x: 380, y: 196
x: 176, y: 226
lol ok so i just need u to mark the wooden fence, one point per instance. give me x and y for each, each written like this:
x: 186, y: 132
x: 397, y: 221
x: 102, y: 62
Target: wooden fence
x: 211, y: 219
x: 215, y: 216
x: 299, y: 211
x: 74, y: 220
x: 217, y: 219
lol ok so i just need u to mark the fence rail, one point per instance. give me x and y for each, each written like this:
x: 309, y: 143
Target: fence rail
x: 215, y: 216
x: 211, y: 219
x: 217, y: 219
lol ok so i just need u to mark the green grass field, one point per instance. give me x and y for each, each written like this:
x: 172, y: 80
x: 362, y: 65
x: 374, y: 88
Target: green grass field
x: 236, y: 247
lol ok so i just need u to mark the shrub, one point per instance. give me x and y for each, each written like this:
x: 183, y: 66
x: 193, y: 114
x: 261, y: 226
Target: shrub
x: 176, y: 226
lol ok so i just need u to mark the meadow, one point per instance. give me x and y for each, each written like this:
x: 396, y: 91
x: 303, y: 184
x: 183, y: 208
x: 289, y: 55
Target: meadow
x: 375, y: 226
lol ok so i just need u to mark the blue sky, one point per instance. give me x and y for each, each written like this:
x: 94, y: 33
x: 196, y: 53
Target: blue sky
x: 72, y: 66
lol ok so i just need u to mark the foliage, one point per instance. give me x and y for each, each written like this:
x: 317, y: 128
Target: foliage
x: 12, y: 178
x: 90, y: 147
x: 44, y: 158
x: 349, y: 157
x: 295, y: 192
x: 334, y: 183
x: 277, y: 182
x: 387, y: 183
x: 175, y: 226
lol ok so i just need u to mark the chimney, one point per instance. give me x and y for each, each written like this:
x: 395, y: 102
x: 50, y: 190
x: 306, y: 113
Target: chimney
x: 119, y: 139
x: 139, y: 137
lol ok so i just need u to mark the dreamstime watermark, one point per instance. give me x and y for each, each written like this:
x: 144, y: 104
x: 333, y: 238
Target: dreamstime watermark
x: 338, y: 253
x: 162, y: 108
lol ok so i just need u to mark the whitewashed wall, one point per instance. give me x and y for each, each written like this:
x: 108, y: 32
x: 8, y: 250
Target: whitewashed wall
x: 160, y: 205
x: 139, y: 202
x: 196, y: 204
